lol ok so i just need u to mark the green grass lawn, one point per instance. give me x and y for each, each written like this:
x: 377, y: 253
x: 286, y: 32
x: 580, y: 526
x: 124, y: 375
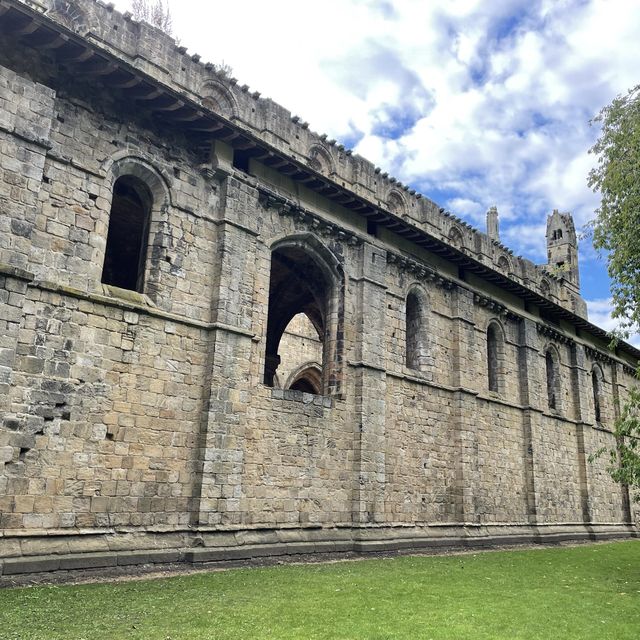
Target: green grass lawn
x: 589, y: 591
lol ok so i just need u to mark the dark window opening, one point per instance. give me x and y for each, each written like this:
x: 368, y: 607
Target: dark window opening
x: 304, y: 385
x: 557, y: 234
x: 309, y: 380
x: 415, y: 333
x: 552, y: 381
x: 560, y: 265
x: 372, y: 228
x: 549, y: 318
x: 492, y: 358
x: 126, y: 249
x: 241, y: 160
x: 595, y: 381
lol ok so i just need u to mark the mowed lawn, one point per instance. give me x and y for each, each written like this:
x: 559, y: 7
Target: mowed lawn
x: 588, y: 591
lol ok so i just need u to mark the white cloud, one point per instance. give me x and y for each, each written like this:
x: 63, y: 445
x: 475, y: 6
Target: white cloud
x: 470, y: 101
x: 600, y: 315
x: 468, y: 208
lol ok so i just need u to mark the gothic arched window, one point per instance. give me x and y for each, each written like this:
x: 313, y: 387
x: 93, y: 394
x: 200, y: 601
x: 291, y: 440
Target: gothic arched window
x: 306, y: 279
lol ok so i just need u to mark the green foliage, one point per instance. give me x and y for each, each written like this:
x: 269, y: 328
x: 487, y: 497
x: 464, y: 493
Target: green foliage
x: 624, y: 459
x: 616, y: 229
x: 584, y: 592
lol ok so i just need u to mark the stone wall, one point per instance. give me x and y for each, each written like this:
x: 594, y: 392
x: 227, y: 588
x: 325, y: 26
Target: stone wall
x: 300, y: 348
x: 136, y: 426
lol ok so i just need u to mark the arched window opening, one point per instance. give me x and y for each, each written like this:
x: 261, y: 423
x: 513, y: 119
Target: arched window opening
x: 300, y: 354
x: 552, y: 380
x: 304, y: 385
x: 127, y: 238
x: 302, y: 324
x: 492, y: 357
x: 596, y: 383
x: 416, y: 332
x: 308, y: 380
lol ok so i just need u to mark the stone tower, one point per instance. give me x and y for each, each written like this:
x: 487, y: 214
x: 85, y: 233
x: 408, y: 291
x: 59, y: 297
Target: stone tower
x: 562, y: 248
x: 493, y: 230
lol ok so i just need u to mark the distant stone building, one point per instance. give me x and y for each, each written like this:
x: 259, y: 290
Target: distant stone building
x: 225, y: 336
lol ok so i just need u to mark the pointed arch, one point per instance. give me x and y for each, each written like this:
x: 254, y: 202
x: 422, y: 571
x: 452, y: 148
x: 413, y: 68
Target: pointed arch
x: 306, y: 277
x: 307, y: 378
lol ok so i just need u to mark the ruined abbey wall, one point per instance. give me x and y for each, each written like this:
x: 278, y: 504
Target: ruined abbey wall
x: 138, y: 425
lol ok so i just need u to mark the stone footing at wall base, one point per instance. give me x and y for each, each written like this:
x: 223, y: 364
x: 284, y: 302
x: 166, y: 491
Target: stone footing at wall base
x: 64, y: 553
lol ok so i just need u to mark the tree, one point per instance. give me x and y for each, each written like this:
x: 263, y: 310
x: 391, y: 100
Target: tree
x: 624, y: 460
x: 617, y: 224
x: 155, y: 13
x: 616, y: 231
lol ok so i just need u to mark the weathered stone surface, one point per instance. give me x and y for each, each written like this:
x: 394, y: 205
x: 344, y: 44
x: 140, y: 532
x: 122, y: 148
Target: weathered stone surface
x: 300, y: 362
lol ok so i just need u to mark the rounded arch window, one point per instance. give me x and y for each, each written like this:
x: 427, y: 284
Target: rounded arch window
x: 416, y: 336
x: 597, y: 380
x: 495, y: 353
x: 127, y: 237
x: 552, y: 368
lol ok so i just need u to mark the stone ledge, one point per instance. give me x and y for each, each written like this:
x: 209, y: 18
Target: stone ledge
x: 302, y: 396
x: 132, y: 301
x: 15, y: 272
x: 460, y: 538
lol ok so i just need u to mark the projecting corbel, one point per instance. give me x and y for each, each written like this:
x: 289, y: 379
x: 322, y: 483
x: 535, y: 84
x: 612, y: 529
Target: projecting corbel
x: 221, y: 159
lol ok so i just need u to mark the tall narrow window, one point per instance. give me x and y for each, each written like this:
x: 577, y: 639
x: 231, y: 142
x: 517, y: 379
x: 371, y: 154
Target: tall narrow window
x: 415, y: 331
x: 552, y: 380
x: 597, y: 394
x: 492, y: 357
x: 126, y: 249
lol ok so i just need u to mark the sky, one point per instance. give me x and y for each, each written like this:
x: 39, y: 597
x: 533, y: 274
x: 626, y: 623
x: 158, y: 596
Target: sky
x: 473, y: 103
